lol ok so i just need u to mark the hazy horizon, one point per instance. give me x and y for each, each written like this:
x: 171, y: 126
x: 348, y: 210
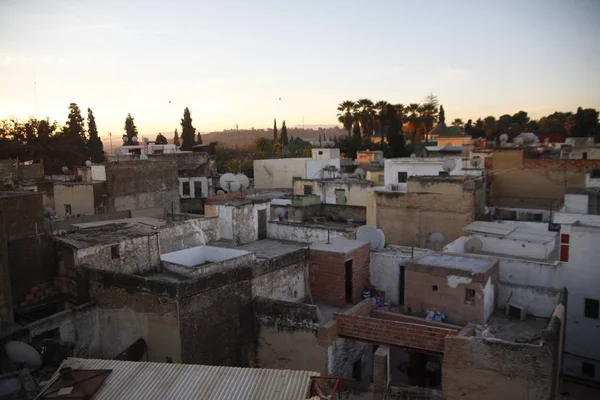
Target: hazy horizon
x: 230, y: 62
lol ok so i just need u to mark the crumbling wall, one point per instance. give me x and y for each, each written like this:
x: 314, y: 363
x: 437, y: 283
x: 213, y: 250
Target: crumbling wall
x: 538, y: 301
x: 190, y: 233
x: 305, y: 232
x: 283, y: 278
x: 23, y: 214
x: 341, y: 212
x: 343, y: 354
x: 287, y: 336
x: 246, y: 220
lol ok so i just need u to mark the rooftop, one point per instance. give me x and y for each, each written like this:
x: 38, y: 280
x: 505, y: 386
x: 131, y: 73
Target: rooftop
x: 17, y: 193
x: 594, y: 191
x: 148, y: 380
x: 271, y: 248
x: 453, y: 261
x: 146, y: 221
x: 403, y: 251
x: 511, y: 231
x: 444, y: 149
x: 112, y: 233
x: 515, y: 330
x: 338, y: 245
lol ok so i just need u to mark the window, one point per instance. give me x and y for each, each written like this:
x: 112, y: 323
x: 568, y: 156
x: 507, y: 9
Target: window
x: 402, y: 177
x: 68, y: 209
x: 307, y: 189
x: 114, y: 251
x: 185, y: 188
x: 197, y: 188
x: 584, y: 155
x: 434, y: 288
x: 564, y: 247
x: 470, y: 296
x: 592, y: 308
x: 588, y: 370
x: 320, y: 153
x: 381, y: 179
x: 595, y: 173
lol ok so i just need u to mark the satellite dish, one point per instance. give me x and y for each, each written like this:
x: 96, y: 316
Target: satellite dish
x: 230, y: 182
x: 145, y: 139
x: 65, y: 169
x: 244, y: 181
x: 504, y: 138
x: 280, y: 213
x: 143, y: 157
x: 436, y: 238
x: 88, y: 164
x: 345, y: 176
x: 119, y: 153
x: 476, y: 162
x: 518, y: 140
x: 413, y: 155
x: 449, y: 165
x: 48, y: 212
x: 134, y: 139
x: 382, y: 235
x: 220, y: 192
x: 125, y: 140
x: 368, y: 233
x: 22, y: 353
x: 360, y: 173
x: 473, y: 245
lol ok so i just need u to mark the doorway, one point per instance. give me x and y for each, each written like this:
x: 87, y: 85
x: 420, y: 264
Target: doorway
x: 262, y: 224
x: 401, y: 286
x: 348, y: 266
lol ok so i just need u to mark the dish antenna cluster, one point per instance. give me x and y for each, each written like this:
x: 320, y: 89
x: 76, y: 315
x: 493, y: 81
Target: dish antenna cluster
x: 22, y: 353
x: 232, y: 183
x: 473, y: 245
x: 244, y: 181
x: 369, y: 233
x: 449, y: 165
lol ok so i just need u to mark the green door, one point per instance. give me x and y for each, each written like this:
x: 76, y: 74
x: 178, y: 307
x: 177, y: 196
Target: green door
x: 340, y: 196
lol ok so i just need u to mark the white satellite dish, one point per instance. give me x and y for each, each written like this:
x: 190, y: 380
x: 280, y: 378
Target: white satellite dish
x: 220, y: 192
x: 368, y: 233
x: 88, y: 163
x: 360, y: 173
x: 230, y: 183
x: 145, y: 139
x: 125, y: 140
x: 476, y: 162
x: 65, y: 169
x: 134, y: 139
x: 119, y: 153
x: 382, y: 235
x: 244, y: 181
x: 473, y: 245
x: 518, y: 140
x: 449, y: 165
x: 413, y: 155
x: 143, y: 157
x: 504, y: 138
x: 22, y: 353
x: 436, y: 238
x: 280, y: 213
x: 345, y: 176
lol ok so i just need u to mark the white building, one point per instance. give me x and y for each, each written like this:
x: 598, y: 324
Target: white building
x: 150, y: 148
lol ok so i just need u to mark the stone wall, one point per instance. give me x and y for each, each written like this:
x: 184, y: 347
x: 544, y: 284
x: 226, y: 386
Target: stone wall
x: 24, y: 213
x: 340, y: 212
x: 306, y: 232
x: 328, y: 275
x: 287, y: 336
x: 191, y: 233
x: 282, y: 278
x: 6, y: 308
x: 142, y: 184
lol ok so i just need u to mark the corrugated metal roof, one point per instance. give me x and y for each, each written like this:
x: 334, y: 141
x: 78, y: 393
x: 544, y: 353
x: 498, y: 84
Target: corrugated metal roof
x: 149, y: 380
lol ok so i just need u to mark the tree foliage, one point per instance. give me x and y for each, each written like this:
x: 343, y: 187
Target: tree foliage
x: 94, y: 144
x: 188, y: 132
x: 284, y: 135
x: 160, y: 139
x: 130, y: 130
x: 176, y: 138
x: 75, y: 124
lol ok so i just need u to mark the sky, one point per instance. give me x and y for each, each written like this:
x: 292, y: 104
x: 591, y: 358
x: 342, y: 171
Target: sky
x: 245, y: 62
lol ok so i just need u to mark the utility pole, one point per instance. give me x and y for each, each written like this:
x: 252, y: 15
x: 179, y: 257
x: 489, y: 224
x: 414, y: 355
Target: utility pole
x: 110, y: 140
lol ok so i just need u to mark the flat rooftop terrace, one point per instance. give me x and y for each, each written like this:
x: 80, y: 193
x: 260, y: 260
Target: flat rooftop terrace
x: 271, y: 248
x: 511, y: 231
x: 454, y: 261
x: 515, y: 330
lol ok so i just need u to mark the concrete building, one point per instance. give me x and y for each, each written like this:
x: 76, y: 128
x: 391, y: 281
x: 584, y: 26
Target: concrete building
x: 430, y: 204
x: 240, y: 220
x: 349, y: 191
x: 579, y: 149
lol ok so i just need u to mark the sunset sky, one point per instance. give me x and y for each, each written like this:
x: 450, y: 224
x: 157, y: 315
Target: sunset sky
x: 230, y: 61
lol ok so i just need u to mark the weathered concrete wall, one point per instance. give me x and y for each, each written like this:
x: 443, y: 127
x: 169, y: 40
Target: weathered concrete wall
x: 79, y: 195
x: 305, y: 232
x: 6, y: 307
x: 494, y: 369
x: 287, y: 336
x: 136, y: 256
x: 344, y: 212
x: 282, y: 279
x: 534, y: 183
x: 245, y: 221
x: 66, y: 222
x: 125, y: 316
x: 142, y: 184
x: 342, y: 356
x: 31, y: 262
x: 278, y: 173
x: 186, y: 234
x: 422, y: 214
x: 538, y: 301
x: 23, y: 214
x: 355, y: 190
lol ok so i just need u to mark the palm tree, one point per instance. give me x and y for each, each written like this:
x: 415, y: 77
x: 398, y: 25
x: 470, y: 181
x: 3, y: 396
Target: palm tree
x: 400, y: 112
x: 345, y: 116
x: 380, y: 108
x: 458, y: 122
x: 414, y: 118
x: 429, y: 112
x: 366, y: 115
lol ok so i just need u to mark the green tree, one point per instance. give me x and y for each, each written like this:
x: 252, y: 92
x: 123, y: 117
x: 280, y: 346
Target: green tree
x: 442, y: 116
x: 458, y: 122
x: 130, y: 129
x: 346, y: 114
x: 275, y: 136
x: 284, y: 136
x: 198, y: 138
x: 365, y: 115
x: 94, y: 144
x: 380, y: 110
x: 469, y: 127
x: 291, y: 138
x: 75, y: 124
x: 320, y: 140
x: 188, y: 132
x: 414, y: 120
x: 161, y: 139
x: 176, y: 138
x: 489, y: 126
x: 393, y: 129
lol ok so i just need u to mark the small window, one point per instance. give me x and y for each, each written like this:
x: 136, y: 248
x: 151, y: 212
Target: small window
x: 320, y: 153
x: 595, y: 173
x: 402, y: 177
x: 185, y: 188
x: 381, y: 179
x: 114, y: 251
x: 68, y: 209
x: 588, y: 370
x: 469, y: 296
x: 307, y: 189
x: 434, y: 288
x: 197, y: 186
x: 592, y: 308
x: 584, y: 155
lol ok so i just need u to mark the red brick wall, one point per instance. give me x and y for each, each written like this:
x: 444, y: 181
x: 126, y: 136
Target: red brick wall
x: 427, y: 339
x: 328, y: 275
